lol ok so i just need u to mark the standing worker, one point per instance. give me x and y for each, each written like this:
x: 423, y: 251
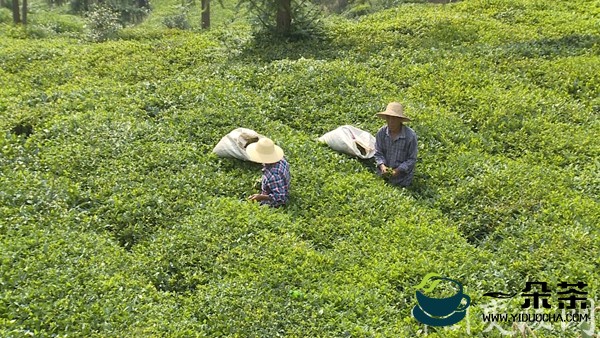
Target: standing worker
x: 396, y: 147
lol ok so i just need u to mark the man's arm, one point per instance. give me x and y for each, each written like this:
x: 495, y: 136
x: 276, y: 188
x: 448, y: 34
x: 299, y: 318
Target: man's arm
x: 379, y: 158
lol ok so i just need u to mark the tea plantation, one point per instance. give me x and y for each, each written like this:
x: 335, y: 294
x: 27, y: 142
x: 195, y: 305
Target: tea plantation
x: 117, y: 221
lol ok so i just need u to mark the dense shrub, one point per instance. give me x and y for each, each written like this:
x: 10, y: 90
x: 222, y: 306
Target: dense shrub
x: 60, y: 24
x: 5, y: 15
x: 178, y: 21
x: 128, y: 11
x: 102, y: 23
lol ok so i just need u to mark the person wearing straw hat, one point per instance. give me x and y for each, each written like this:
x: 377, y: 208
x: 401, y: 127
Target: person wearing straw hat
x: 395, y: 146
x: 275, y: 183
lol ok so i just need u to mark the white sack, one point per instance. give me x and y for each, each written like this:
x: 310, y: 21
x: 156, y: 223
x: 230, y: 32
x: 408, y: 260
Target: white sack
x: 234, y: 144
x: 351, y: 140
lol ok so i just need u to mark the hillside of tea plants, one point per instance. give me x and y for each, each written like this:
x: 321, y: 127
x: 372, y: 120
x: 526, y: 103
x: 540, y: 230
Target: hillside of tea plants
x: 116, y: 220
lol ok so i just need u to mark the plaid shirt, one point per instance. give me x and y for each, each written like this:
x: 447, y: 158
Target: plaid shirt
x: 276, y: 183
x: 399, y: 153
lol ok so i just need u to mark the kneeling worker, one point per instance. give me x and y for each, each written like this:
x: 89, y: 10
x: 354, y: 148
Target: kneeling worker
x: 275, y: 183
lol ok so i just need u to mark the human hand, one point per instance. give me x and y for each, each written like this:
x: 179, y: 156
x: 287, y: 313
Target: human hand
x: 386, y: 171
x: 258, y: 197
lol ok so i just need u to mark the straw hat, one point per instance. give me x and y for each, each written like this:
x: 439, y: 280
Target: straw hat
x: 264, y: 151
x: 394, y: 109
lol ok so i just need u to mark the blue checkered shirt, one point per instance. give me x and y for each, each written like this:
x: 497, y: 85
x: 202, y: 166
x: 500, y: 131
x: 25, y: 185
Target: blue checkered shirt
x: 276, y: 183
x: 399, y: 153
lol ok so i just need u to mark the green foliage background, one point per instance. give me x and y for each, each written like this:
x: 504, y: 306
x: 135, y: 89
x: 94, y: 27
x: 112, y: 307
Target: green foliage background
x: 115, y: 219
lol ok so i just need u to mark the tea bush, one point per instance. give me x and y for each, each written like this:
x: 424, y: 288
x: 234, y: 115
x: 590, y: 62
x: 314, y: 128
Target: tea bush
x: 118, y: 221
x: 5, y: 15
x: 60, y: 23
x: 178, y: 21
x: 102, y: 23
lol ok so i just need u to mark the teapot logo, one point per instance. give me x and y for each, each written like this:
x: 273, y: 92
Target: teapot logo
x: 442, y: 311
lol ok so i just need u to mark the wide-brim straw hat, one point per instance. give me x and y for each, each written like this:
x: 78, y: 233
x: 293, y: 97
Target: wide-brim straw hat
x: 264, y: 151
x: 394, y: 109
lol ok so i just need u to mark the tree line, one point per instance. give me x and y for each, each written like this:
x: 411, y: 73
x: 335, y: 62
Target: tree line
x: 277, y: 15
x: 130, y: 11
x: 19, y: 13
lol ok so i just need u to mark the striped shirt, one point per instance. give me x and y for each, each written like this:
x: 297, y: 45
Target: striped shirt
x: 399, y: 153
x: 276, y: 183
